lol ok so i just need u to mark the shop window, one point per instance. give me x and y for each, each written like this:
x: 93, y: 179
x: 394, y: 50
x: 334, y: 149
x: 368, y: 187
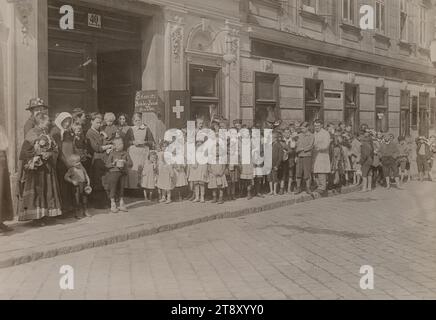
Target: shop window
x: 405, y: 113
x: 313, y: 100
x: 267, y: 97
x: 205, y: 92
x: 381, y: 110
x: 380, y: 17
x: 351, y: 110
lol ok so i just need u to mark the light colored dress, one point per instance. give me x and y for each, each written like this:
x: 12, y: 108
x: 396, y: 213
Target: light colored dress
x: 166, y: 179
x: 217, y: 178
x: 181, y: 177
x: 198, y: 173
x: 149, y: 175
x: 138, y: 153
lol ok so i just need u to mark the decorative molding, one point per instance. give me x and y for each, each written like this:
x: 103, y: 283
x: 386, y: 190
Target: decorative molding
x: 176, y: 41
x: 314, y: 72
x: 406, y: 46
x: 266, y: 66
x: 24, y: 9
x: 313, y: 16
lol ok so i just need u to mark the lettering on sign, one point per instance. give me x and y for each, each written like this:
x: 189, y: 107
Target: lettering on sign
x: 94, y: 20
x: 147, y: 101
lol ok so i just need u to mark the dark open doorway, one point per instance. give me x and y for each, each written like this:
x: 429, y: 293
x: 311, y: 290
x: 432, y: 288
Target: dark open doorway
x: 119, y: 77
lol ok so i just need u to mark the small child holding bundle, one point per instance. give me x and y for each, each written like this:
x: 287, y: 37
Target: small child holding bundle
x: 78, y: 177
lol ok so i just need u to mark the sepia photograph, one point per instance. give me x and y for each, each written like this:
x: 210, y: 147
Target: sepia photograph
x: 217, y: 150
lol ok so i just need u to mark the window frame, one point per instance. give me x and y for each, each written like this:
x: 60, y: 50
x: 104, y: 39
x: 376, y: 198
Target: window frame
x: 304, y: 7
x: 405, y: 107
x: 351, y: 13
x: 422, y: 29
x: 384, y: 108
x: 355, y: 107
x: 313, y: 105
x: 380, y: 16
x: 275, y: 102
x: 404, y: 14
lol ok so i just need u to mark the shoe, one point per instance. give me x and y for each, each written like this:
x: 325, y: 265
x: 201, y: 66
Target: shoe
x: 123, y: 208
x: 168, y: 201
x: 79, y: 216
x: 298, y: 191
x: 87, y: 214
x: 4, y: 228
x: 162, y: 200
x: 214, y: 200
x: 196, y: 200
x: 281, y: 192
x: 114, y: 208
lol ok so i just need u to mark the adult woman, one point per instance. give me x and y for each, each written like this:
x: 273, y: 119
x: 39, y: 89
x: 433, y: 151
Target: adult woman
x: 64, y: 138
x: 97, y: 148
x: 140, y: 139
x: 40, y: 197
x: 6, y: 209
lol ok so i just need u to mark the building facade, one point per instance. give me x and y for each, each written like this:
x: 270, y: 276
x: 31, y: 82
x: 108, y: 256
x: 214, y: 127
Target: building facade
x: 250, y: 59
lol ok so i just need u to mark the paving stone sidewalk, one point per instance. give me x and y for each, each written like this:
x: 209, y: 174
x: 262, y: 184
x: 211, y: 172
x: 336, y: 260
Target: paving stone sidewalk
x: 28, y: 243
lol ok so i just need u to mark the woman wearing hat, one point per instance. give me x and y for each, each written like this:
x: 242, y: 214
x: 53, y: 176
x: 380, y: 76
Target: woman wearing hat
x: 64, y: 138
x: 40, y: 198
x: 6, y: 211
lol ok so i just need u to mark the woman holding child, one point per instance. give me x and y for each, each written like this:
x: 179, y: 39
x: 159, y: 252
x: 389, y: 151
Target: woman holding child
x: 39, y: 192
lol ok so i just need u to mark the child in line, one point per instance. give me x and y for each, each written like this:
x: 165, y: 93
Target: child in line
x: 198, y: 176
x: 166, y: 177
x: 217, y: 181
x: 277, y: 158
x: 117, y: 162
x: 423, y: 158
x: 149, y: 174
x: 181, y: 183
x: 403, y: 158
x: 78, y: 177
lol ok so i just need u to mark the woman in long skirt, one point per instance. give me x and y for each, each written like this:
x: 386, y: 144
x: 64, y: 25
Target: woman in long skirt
x: 140, y: 140
x: 97, y: 148
x: 40, y: 198
x: 64, y: 138
x: 6, y: 208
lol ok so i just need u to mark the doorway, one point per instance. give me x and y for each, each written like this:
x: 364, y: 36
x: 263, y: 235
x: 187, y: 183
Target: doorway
x: 94, y: 67
x: 119, y: 78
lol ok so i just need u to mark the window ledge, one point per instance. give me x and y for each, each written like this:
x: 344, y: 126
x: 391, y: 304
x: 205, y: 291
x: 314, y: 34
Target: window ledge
x: 407, y: 46
x: 312, y: 16
x: 349, y: 27
x: 382, y: 38
x: 424, y: 51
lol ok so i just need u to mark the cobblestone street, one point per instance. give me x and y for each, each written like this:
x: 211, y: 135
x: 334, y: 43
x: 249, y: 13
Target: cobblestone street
x: 311, y: 250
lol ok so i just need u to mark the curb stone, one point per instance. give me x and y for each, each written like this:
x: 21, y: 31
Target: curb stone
x: 141, y: 231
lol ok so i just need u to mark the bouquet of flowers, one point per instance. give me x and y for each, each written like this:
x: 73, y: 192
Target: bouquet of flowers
x: 44, y: 147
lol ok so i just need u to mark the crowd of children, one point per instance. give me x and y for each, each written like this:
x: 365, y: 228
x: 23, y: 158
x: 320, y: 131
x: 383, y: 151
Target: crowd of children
x: 105, y: 157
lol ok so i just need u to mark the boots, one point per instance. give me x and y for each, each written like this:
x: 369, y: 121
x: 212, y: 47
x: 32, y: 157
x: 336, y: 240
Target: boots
x: 365, y: 184
x: 122, y: 206
x: 213, y: 197
x: 249, y: 195
x: 197, y: 193
x: 114, y: 208
x: 221, y: 201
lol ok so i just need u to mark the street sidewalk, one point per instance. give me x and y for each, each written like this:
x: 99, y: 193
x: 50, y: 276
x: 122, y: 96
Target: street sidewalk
x: 28, y: 243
